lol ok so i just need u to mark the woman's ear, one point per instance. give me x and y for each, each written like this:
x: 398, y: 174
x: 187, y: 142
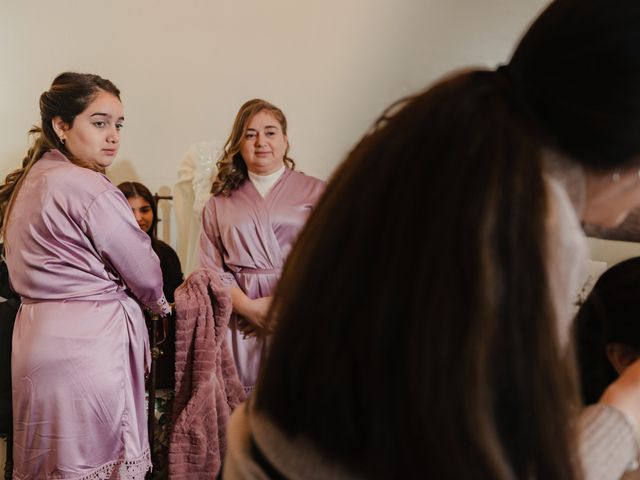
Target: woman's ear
x: 60, y: 127
x: 621, y: 356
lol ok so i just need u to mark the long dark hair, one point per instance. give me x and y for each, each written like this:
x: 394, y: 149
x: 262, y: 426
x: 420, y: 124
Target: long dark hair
x: 611, y: 314
x: 415, y: 327
x: 70, y: 94
x: 413, y: 264
x: 136, y: 189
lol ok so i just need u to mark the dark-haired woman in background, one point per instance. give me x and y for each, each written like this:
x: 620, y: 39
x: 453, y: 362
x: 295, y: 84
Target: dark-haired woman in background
x: 423, y: 317
x: 145, y: 210
x: 81, y: 265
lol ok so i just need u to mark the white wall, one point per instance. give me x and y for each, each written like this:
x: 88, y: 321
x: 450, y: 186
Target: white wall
x: 612, y: 251
x: 185, y: 67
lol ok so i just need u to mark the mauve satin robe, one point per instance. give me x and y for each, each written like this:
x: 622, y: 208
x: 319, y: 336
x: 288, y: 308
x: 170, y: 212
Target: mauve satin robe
x: 247, y: 238
x: 76, y: 255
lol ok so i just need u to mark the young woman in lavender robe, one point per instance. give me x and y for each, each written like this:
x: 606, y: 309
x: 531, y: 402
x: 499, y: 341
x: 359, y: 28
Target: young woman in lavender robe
x: 258, y: 206
x: 423, y: 317
x: 82, y: 266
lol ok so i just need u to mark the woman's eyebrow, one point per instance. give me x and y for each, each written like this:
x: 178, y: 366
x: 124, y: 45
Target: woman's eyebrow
x: 101, y: 114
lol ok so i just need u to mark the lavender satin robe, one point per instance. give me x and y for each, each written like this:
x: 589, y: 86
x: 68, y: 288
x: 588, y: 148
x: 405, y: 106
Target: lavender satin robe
x: 75, y: 255
x: 247, y: 238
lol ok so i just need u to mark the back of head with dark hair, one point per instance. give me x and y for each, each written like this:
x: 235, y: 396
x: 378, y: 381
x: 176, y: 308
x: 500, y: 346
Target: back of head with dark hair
x: 578, y: 69
x: 70, y: 94
x: 397, y: 307
x: 416, y: 331
x: 611, y: 314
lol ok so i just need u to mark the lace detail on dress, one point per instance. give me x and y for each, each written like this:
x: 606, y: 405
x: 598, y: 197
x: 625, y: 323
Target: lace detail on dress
x: 163, y: 307
x: 127, y: 469
x: 227, y: 279
x: 248, y: 389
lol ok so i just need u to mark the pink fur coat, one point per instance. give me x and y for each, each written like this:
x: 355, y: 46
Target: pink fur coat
x: 207, y: 385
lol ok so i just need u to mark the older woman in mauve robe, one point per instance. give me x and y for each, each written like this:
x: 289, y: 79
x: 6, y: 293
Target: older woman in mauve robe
x: 258, y: 207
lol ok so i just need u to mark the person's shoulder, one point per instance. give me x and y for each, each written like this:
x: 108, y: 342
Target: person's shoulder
x: 213, y: 200
x: 63, y: 175
x: 168, y: 258
x: 165, y: 248
x: 307, y: 180
x: 303, y: 177
x: 227, y: 198
x: 305, y: 186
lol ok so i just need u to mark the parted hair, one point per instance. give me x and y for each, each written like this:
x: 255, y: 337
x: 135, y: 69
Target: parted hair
x: 137, y: 189
x: 415, y: 333
x: 70, y: 94
x: 232, y: 169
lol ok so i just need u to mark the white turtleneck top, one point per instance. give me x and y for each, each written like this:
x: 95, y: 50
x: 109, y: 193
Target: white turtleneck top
x: 263, y: 183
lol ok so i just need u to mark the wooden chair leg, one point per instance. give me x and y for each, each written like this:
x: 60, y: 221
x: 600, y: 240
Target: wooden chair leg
x: 151, y: 406
x: 8, y: 466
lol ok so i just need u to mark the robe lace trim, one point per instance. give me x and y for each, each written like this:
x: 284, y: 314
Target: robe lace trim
x: 227, y: 279
x: 160, y: 307
x: 126, y: 469
x: 163, y: 306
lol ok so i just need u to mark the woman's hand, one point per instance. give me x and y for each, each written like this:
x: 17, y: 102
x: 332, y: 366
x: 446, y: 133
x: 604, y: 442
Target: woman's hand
x: 253, y: 312
x: 255, y: 324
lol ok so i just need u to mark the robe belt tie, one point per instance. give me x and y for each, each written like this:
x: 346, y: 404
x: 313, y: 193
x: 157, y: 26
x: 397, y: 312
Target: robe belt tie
x: 117, y: 295
x: 259, y: 271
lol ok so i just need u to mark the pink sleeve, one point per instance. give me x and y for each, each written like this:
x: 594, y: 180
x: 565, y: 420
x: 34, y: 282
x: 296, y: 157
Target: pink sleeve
x: 125, y: 248
x: 211, y: 248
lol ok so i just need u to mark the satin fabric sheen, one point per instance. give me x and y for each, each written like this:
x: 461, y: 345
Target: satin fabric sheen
x: 246, y: 238
x: 77, y: 258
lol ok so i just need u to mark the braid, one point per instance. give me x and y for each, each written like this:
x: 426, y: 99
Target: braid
x: 13, y: 181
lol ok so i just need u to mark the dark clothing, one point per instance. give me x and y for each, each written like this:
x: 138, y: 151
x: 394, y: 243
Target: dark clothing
x: 171, y: 278
x: 8, y: 311
x: 171, y: 269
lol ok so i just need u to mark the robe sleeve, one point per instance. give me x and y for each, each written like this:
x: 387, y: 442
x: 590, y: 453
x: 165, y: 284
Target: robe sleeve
x: 124, y: 247
x: 211, y: 248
